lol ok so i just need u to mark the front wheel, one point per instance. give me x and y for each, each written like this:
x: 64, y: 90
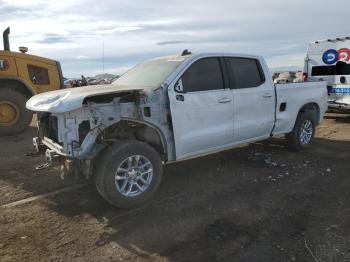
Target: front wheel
x: 303, y: 133
x: 128, y: 173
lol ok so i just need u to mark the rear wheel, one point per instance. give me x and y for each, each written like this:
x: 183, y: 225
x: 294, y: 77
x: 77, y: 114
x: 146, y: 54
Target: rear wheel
x: 128, y: 173
x: 303, y: 133
x: 14, y: 116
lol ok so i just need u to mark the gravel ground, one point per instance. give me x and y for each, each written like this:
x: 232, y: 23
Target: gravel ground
x: 258, y: 202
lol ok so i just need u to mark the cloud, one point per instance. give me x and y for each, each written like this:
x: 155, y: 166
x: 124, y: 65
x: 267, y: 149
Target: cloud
x: 82, y: 57
x: 171, y: 42
x: 131, y: 31
x: 54, y: 38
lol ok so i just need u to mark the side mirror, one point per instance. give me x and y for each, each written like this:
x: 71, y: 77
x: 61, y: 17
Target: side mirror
x: 179, y: 87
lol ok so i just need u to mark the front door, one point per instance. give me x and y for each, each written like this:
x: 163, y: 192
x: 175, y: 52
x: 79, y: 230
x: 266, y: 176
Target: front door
x: 201, y: 109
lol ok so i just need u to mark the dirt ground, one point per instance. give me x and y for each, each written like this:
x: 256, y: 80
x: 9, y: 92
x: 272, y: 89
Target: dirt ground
x: 259, y: 202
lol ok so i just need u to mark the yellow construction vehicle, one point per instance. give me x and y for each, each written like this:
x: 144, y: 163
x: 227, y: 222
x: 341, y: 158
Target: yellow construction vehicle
x: 22, y: 76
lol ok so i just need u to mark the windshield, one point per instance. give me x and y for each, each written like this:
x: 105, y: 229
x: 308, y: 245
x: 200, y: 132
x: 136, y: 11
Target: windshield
x: 150, y: 74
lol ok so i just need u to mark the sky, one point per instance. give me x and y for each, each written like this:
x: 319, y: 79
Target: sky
x: 78, y: 32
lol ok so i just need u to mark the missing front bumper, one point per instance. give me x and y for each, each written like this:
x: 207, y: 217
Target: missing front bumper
x: 49, y: 149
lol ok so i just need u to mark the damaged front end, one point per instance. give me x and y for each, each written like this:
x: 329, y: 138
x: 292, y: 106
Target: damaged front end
x: 73, y: 139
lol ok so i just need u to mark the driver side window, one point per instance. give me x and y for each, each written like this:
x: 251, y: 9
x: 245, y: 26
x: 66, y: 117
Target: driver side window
x: 203, y: 75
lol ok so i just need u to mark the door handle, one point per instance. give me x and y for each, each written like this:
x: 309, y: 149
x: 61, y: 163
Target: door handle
x: 180, y: 98
x: 224, y: 100
x: 267, y: 95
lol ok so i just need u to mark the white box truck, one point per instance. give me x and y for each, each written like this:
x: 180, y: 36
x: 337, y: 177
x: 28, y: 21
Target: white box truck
x: 329, y: 60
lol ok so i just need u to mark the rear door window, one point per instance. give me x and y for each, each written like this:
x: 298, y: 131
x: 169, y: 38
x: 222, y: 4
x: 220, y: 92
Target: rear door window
x: 341, y: 68
x: 203, y: 75
x: 323, y: 70
x: 245, y: 72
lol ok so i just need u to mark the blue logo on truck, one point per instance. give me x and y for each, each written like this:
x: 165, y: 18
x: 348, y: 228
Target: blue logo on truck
x: 330, y: 56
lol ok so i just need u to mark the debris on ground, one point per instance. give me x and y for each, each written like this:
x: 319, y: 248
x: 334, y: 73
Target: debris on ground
x: 262, y: 193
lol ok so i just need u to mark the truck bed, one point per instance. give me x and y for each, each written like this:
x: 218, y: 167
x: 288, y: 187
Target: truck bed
x: 293, y: 96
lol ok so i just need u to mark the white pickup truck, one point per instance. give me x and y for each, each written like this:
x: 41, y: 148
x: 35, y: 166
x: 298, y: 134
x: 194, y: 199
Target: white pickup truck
x: 170, y: 109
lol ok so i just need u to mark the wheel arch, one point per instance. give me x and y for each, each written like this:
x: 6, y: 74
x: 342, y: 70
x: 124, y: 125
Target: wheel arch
x: 138, y: 130
x: 293, y: 137
x: 17, y: 84
x: 311, y: 107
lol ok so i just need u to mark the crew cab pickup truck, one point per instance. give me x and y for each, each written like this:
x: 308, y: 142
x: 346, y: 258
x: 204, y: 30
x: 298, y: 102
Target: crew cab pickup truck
x: 171, y: 109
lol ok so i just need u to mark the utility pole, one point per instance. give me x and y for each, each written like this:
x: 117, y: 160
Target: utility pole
x: 103, y: 58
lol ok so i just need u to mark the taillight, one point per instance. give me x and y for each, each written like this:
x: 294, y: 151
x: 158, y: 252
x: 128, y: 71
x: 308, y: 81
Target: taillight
x: 305, y: 77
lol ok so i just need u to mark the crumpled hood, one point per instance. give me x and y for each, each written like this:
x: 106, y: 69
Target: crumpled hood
x: 65, y: 100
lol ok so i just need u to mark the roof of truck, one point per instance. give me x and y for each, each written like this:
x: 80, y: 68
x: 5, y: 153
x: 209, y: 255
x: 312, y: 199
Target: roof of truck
x: 332, y: 45
x: 331, y: 40
x: 206, y: 54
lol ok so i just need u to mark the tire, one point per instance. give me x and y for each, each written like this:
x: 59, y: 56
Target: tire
x: 116, y: 158
x: 298, y: 139
x: 15, y: 116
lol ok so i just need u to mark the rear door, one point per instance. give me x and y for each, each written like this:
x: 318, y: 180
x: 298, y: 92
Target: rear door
x: 253, y: 99
x: 201, y: 109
